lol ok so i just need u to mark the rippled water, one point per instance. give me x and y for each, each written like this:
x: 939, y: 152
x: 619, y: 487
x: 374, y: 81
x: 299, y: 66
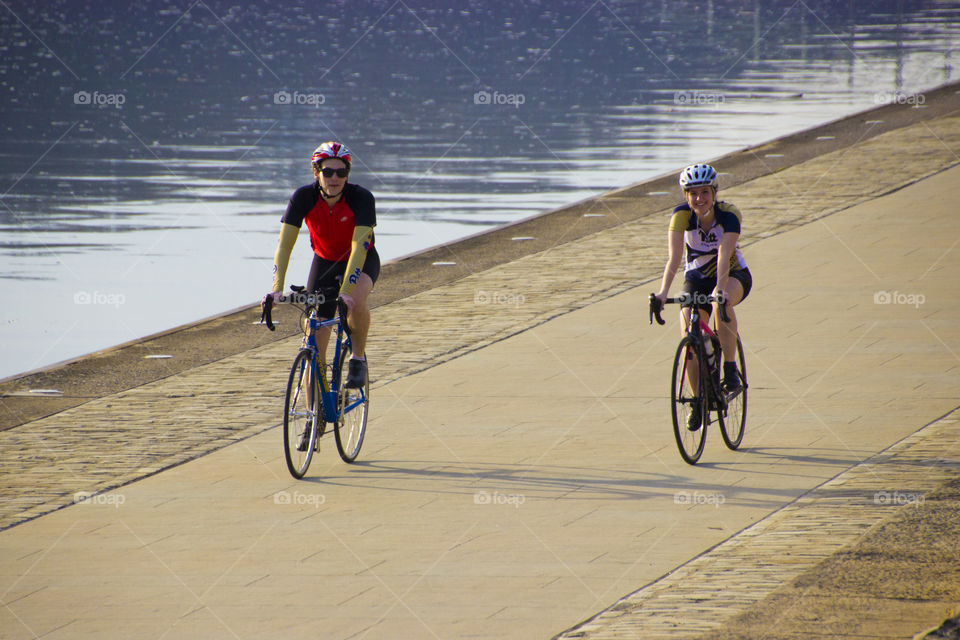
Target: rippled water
x: 148, y: 152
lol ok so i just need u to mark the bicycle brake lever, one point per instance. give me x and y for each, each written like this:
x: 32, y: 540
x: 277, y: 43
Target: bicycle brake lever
x: 722, y: 305
x: 342, y: 312
x: 655, y: 308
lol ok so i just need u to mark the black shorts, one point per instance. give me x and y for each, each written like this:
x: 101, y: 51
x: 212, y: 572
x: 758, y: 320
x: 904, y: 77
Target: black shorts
x: 705, y: 287
x: 326, y: 274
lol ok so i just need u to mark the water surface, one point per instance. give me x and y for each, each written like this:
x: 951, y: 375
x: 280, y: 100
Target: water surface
x: 148, y: 151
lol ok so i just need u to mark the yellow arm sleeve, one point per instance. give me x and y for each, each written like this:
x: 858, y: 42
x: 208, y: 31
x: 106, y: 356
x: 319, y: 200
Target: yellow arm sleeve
x: 288, y: 236
x: 362, y: 236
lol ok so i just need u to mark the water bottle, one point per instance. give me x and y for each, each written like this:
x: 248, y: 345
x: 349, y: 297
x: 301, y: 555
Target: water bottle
x: 708, y: 346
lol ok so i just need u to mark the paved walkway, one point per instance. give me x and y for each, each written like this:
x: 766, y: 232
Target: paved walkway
x: 516, y: 491
x: 719, y: 593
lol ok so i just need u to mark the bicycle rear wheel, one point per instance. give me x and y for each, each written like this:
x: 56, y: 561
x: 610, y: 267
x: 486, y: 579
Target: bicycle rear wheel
x: 733, y: 421
x: 352, y: 405
x: 299, y: 419
x: 684, y: 399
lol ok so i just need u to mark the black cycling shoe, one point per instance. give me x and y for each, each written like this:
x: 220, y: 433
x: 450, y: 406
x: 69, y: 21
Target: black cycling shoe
x: 732, y: 384
x: 356, y: 374
x: 731, y: 377
x: 695, y: 421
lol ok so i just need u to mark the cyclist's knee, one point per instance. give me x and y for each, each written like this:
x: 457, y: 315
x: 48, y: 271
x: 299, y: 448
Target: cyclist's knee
x: 734, y: 296
x: 363, y: 287
x: 734, y: 293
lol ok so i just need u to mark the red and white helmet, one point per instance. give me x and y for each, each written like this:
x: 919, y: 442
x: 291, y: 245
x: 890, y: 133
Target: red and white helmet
x: 331, y: 150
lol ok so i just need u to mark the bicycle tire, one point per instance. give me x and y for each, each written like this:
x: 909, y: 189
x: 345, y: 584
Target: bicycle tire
x: 733, y: 420
x: 297, y: 416
x: 352, y: 409
x: 682, y: 399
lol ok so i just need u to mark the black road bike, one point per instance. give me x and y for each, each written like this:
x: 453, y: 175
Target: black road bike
x: 695, y: 386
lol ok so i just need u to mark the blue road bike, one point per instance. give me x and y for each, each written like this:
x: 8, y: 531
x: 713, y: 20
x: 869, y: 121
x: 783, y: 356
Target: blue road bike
x: 316, y: 395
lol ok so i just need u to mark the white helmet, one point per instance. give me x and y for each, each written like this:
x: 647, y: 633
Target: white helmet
x: 698, y: 175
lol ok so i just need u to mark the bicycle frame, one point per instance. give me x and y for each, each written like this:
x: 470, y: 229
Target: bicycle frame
x: 705, y: 391
x: 695, y: 330
x: 328, y: 393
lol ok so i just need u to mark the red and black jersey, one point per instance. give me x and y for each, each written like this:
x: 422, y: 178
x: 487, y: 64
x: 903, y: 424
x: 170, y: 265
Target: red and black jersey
x: 331, y: 228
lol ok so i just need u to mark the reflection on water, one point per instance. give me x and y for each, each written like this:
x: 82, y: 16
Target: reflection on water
x: 149, y: 152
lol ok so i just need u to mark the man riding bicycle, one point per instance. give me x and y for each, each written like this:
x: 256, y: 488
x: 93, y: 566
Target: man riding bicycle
x: 340, y: 217
x: 708, y: 230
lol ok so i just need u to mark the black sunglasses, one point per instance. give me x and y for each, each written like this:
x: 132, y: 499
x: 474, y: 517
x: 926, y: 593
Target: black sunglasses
x: 328, y: 172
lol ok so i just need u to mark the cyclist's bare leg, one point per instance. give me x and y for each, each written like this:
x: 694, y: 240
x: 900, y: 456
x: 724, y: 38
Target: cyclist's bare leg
x: 359, y: 316
x: 693, y: 369
x: 727, y: 331
x: 323, y: 339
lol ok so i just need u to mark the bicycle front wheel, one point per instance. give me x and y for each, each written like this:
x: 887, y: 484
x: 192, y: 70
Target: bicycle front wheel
x: 689, y: 373
x: 734, y: 419
x: 352, y: 405
x: 299, y: 417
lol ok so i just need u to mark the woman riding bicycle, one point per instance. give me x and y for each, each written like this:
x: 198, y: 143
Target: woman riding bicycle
x: 708, y: 230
